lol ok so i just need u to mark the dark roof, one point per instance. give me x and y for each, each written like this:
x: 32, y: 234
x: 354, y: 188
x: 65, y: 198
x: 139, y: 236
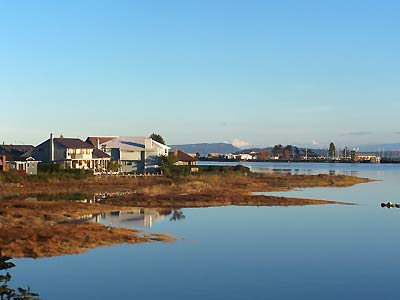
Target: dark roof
x: 182, y: 156
x: 73, y: 143
x: 12, y: 152
x: 99, y: 154
x: 19, y: 148
x: 25, y: 155
x: 102, y: 139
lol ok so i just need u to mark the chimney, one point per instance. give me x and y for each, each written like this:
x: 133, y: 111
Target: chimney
x: 175, y: 152
x: 51, y: 147
x: 4, y: 163
x: 98, y: 143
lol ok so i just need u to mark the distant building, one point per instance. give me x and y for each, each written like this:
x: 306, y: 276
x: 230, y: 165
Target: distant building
x: 357, y: 156
x: 214, y: 155
x: 245, y: 156
x: 231, y: 156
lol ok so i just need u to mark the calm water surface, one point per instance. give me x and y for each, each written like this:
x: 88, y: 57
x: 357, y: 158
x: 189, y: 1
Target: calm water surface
x: 311, y: 252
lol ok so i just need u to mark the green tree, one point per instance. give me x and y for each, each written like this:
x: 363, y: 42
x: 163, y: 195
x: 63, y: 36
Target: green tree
x: 114, y: 166
x: 158, y: 138
x: 332, y: 150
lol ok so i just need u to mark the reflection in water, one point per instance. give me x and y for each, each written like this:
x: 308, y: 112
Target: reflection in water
x: 177, y: 215
x: 7, y: 292
x: 305, y: 171
x: 140, y: 217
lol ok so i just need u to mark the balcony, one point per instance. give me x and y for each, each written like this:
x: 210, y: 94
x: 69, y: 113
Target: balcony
x: 79, y: 156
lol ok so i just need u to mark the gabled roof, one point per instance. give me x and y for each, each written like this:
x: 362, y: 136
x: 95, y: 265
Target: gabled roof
x: 100, y: 139
x: 126, y: 143
x: 13, y: 152
x: 161, y: 145
x: 73, y: 143
x: 97, y: 153
x: 182, y: 156
x: 19, y: 148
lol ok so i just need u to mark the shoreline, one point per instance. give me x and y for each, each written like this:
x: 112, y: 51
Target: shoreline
x: 41, y: 228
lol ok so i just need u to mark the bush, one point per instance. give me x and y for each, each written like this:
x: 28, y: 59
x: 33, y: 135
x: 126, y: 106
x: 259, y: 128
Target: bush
x: 169, y: 169
x: 12, y: 176
x: 224, y: 169
x: 58, y: 171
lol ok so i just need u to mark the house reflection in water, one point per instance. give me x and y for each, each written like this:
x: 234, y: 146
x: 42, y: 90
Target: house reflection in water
x: 141, y: 217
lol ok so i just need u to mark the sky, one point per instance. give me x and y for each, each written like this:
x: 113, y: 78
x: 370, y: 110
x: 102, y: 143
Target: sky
x: 255, y: 73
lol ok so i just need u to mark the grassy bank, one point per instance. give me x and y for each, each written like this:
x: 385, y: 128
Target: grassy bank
x: 209, y: 180
x: 41, y: 228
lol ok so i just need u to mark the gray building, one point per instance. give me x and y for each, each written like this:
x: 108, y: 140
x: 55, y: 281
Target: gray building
x: 135, y: 154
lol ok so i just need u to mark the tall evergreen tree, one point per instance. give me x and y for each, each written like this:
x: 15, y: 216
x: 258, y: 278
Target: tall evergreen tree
x: 332, y: 150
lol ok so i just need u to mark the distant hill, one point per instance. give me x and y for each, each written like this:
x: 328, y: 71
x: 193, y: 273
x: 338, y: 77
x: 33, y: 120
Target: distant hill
x: 205, y: 148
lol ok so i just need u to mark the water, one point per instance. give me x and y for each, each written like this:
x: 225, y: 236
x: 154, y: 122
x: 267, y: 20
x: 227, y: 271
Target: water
x: 310, y: 252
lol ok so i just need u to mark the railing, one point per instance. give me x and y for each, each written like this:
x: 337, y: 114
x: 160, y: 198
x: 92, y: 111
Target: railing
x: 79, y: 156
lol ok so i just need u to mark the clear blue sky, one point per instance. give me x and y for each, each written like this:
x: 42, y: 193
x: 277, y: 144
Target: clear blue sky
x: 263, y: 72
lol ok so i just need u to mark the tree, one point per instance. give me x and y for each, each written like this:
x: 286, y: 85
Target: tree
x: 158, y: 138
x: 177, y: 215
x: 263, y: 155
x: 277, y: 150
x: 332, y: 150
x: 114, y: 166
x: 287, y: 151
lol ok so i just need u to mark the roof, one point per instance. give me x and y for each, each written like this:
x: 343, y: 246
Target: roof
x: 161, y: 145
x: 19, y: 148
x: 97, y: 153
x: 182, y: 156
x: 13, y: 152
x: 73, y: 143
x: 127, y: 143
x: 100, y: 139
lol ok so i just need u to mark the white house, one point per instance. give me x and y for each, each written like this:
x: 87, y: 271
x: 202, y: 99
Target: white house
x: 245, y: 156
